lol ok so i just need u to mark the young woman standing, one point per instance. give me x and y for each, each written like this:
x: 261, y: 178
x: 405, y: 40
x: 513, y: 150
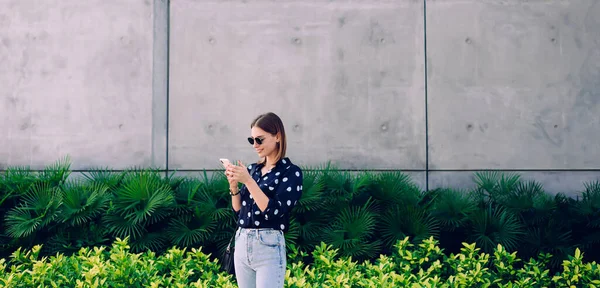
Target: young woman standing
x: 271, y: 188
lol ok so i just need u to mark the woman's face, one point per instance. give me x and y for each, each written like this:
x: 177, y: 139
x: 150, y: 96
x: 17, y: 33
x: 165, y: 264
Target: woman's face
x: 269, y: 142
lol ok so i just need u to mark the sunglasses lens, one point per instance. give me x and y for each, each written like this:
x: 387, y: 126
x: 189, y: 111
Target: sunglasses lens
x: 251, y: 140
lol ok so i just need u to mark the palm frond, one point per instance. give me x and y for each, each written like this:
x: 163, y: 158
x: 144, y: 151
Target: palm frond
x: 83, y: 202
x: 120, y: 227
x: 67, y: 240
x: 590, y: 199
x: 413, y: 221
x: 57, y: 172
x: 522, y: 197
x: 188, y: 231
x: 395, y: 188
x: 39, y: 207
x: 21, y: 221
x: 495, y: 225
x: 452, y: 208
x: 338, y: 188
x: 174, y: 180
x: 351, y: 230
x: 16, y: 181
x: 312, y: 231
x: 104, y: 176
x: 144, y: 198
x: 554, y: 237
x: 153, y: 241
x: 494, y: 185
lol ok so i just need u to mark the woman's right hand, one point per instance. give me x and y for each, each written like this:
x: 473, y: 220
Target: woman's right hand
x: 233, y: 184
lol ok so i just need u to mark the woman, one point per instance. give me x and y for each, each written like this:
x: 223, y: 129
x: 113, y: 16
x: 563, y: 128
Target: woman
x: 271, y: 188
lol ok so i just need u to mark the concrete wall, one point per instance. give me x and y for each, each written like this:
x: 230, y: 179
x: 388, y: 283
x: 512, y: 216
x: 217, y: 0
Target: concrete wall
x: 440, y: 89
x: 76, y: 78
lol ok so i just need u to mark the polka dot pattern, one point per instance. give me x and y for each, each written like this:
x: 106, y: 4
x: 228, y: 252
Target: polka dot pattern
x: 283, y: 187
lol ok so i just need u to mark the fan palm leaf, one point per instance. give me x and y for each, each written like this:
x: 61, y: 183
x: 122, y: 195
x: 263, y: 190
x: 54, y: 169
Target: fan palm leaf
x: 83, y: 202
x: 554, y: 237
x: 522, y: 197
x: 153, y: 241
x: 312, y: 231
x: 144, y: 198
x: 494, y: 185
x: 351, y: 230
x: 120, y: 227
x: 57, y: 172
x: 39, y: 207
x: 338, y: 188
x: 413, y: 221
x: 495, y: 225
x: 174, y: 180
x: 393, y: 188
x: 589, y: 206
x: 188, y: 230
x: 186, y: 196
x: 16, y: 181
x: 68, y: 240
x: 452, y: 208
x: 105, y: 177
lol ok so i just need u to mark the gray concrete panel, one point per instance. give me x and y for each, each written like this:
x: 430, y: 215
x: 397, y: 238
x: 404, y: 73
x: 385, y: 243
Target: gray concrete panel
x: 76, y: 80
x: 347, y: 78
x: 513, y: 84
x: 570, y: 183
x: 160, y: 90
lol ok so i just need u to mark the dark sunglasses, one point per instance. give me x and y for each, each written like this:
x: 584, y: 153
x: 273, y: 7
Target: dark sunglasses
x: 258, y: 140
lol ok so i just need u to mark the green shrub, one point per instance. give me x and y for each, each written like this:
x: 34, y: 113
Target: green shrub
x: 118, y: 267
x: 410, y: 265
x: 361, y: 215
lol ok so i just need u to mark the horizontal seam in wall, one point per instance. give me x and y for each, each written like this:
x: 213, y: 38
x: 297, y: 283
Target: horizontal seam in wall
x: 348, y: 170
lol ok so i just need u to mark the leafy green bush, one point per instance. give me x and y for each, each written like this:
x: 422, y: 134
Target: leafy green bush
x: 421, y: 265
x: 117, y: 267
x: 361, y: 215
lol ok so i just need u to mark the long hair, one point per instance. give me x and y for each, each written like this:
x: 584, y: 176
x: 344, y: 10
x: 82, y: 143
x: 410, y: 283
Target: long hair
x: 272, y: 124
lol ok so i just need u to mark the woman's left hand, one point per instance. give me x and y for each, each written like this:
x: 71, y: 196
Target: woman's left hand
x: 238, y: 173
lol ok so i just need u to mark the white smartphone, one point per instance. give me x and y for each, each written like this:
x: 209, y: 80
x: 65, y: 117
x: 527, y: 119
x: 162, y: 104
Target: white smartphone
x: 225, y: 162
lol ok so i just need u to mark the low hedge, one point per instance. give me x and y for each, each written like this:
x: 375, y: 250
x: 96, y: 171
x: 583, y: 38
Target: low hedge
x: 422, y: 265
x: 362, y: 215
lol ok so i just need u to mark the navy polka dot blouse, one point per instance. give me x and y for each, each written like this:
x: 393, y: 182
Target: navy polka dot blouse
x: 283, y: 185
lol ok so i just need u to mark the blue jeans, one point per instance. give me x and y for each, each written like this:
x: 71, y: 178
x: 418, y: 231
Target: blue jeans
x: 259, y: 258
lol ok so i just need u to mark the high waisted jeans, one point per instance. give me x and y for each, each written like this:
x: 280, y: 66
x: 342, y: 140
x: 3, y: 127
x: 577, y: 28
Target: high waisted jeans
x: 260, y: 258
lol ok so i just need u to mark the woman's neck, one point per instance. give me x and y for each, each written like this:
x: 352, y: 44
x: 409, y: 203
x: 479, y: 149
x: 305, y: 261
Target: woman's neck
x: 270, y: 161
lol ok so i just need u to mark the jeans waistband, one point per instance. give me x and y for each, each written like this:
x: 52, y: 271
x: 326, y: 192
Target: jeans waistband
x: 255, y: 230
